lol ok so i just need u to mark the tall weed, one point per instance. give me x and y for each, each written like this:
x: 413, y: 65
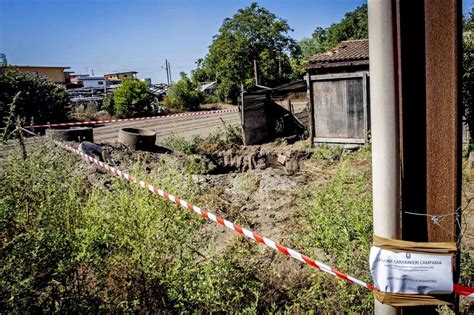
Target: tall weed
x: 339, y: 223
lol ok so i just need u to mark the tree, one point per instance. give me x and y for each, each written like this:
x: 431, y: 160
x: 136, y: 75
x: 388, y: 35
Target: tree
x: 131, y: 99
x: 40, y: 101
x: 253, y: 33
x: 184, y: 94
x: 354, y: 25
x: 468, y: 71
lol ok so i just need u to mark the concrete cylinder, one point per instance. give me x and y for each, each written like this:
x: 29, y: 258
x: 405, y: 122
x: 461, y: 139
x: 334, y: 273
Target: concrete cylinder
x: 137, y: 139
x: 77, y: 134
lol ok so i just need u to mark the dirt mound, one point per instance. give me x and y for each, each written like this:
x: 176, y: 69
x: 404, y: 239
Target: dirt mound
x: 241, y: 159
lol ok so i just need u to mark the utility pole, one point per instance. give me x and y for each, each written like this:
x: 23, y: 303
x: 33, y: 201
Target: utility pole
x: 167, y: 73
x: 255, y: 71
x: 415, y: 50
x: 384, y: 116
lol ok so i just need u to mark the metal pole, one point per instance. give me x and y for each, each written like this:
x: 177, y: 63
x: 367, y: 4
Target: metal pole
x: 167, y: 73
x: 169, y: 70
x: 384, y: 118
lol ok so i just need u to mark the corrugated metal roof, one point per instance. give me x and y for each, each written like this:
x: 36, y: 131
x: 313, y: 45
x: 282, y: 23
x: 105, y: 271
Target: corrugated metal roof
x: 349, y: 50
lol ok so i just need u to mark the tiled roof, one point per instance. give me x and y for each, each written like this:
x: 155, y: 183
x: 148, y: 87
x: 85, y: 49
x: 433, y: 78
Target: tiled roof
x: 346, y: 51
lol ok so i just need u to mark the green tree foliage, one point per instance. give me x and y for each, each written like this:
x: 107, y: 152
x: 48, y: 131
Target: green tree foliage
x: 354, y: 25
x: 131, y: 99
x: 108, y: 104
x: 184, y: 94
x: 253, y: 33
x: 468, y: 71
x: 40, y: 100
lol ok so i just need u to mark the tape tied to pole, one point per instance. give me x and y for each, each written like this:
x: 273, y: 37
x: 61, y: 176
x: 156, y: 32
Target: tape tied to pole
x: 412, y: 273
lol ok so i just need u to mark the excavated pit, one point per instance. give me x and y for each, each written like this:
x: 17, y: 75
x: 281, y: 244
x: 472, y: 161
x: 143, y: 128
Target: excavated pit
x: 242, y: 159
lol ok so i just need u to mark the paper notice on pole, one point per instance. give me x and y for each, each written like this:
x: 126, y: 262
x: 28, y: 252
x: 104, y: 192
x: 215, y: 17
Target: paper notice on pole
x: 412, y: 273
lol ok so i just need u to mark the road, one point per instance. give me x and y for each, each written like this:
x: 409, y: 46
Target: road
x: 186, y: 126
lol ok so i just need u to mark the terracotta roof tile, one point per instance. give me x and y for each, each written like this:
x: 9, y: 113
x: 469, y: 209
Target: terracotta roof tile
x: 349, y: 50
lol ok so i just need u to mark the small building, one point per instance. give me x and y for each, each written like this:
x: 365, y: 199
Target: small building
x: 77, y: 78
x: 54, y: 74
x: 94, y: 82
x: 118, y: 77
x: 338, y: 85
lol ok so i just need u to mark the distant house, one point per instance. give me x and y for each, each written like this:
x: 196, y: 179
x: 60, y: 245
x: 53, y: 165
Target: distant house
x: 159, y: 91
x: 118, y: 77
x: 54, y: 74
x: 208, y: 88
x: 94, y: 82
x: 77, y: 78
x: 339, y: 99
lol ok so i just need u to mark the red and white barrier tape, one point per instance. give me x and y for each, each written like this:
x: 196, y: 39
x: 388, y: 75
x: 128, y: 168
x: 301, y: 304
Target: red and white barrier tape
x: 458, y: 289
x: 108, y: 121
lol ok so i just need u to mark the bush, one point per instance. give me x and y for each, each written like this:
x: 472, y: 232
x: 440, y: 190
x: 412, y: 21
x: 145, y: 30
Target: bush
x: 40, y: 209
x: 108, y: 104
x: 221, y: 139
x: 40, y: 101
x: 131, y: 99
x: 184, y: 94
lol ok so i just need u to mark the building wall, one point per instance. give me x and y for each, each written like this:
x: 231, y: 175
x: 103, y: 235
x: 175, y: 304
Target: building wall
x: 119, y: 76
x: 94, y: 83
x: 54, y: 74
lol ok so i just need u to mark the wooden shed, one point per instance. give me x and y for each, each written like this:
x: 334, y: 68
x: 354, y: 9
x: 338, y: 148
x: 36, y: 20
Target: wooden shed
x: 338, y: 94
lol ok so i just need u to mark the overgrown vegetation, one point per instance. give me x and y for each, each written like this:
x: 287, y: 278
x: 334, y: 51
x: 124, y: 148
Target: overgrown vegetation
x: 38, y: 100
x: 68, y: 247
x: 468, y: 71
x: 221, y: 139
x: 71, y: 247
x: 339, y: 223
x: 130, y: 99
x: 184, y: 94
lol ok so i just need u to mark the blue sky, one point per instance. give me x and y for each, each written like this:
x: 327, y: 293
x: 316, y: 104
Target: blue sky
x: 119, y: 35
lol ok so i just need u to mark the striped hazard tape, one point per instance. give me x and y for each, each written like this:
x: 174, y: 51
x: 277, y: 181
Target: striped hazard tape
x: 108, y: 121
x: 458, y: 289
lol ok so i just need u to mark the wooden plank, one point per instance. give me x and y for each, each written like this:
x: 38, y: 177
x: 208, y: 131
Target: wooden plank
x: 337, y: 76
x: 442, y: 51
x: 310, y: 100
x: 339, y: 140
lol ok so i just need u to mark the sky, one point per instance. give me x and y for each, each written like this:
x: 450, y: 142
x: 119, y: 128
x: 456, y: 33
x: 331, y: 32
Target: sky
x: 104, y: 36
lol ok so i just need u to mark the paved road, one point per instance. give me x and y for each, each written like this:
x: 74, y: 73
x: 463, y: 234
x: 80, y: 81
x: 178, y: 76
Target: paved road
x: 187, y: 127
